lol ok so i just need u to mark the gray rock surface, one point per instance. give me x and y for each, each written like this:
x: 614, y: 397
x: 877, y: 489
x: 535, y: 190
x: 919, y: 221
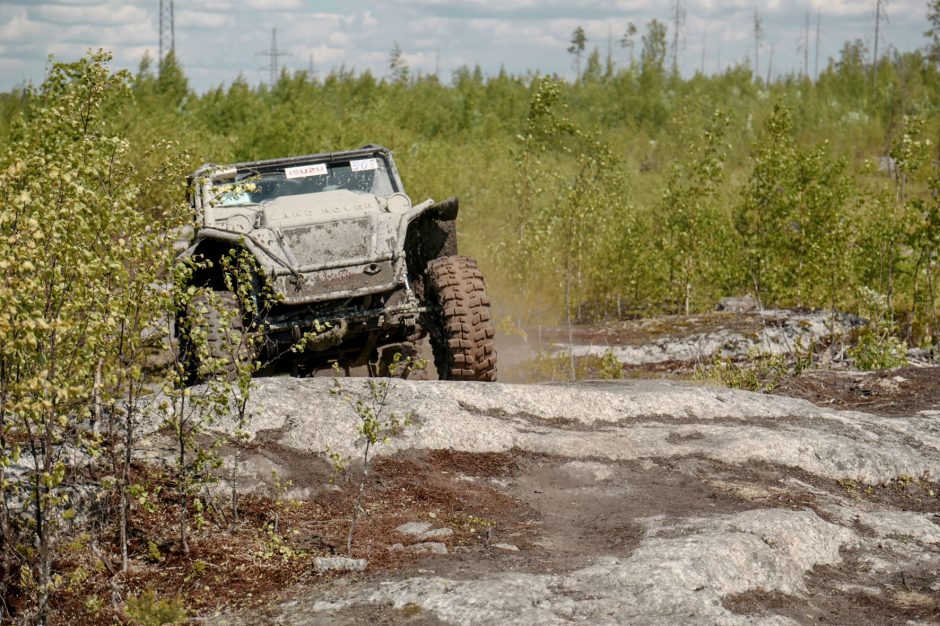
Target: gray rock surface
x: 666, y: 580
x: 422, y: 531
x: 413, y: 528
x: 617, y: 421
x: 429, y: 547
x: 781, y: 332
x: 435, y: 533
x: 654, y: 503
x: 339, y: 564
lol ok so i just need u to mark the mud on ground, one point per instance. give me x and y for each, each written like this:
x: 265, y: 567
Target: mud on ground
x: 899, y: 392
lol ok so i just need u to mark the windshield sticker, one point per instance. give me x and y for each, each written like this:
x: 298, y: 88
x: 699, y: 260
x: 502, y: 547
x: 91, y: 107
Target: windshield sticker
x: 364, y: 165
x: 305, y: 170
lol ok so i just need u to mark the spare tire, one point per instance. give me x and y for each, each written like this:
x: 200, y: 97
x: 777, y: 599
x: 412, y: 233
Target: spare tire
x: 459, y: 321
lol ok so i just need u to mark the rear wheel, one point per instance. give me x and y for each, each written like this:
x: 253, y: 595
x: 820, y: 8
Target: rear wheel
x: 459, y: 321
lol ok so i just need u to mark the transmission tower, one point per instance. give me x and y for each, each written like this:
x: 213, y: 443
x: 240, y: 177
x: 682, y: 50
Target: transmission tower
x: 274, y: 54
x: 880, y: 15
x: 167, y: 29
x: 816, y: 64
x: 678, y: 25
x: 758, y: 35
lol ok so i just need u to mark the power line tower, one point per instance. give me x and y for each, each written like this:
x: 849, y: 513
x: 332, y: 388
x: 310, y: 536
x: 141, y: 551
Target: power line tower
x: 880, y: 15
x: 274, y: 54
x: 816, y: 64
x: 678, y: 25
x: 804, y: 48
x: 758, y: 36
x: 167, y: 30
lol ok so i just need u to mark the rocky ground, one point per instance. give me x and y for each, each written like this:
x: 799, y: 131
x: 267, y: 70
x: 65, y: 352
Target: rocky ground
x: 678, y: 344
x: 644, y: 501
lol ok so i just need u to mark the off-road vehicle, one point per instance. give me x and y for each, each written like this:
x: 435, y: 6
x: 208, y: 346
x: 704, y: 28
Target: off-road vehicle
x: 360, y: 273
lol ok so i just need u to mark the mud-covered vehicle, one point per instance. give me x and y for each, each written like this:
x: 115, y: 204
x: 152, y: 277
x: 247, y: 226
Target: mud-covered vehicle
x: 360, y: 273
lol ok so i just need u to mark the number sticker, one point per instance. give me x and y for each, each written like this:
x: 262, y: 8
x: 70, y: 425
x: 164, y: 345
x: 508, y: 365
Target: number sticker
x: 364, y: 165
x: 305, y: 170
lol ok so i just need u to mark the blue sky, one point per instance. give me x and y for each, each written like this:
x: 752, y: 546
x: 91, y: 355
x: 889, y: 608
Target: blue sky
x: 218, y: 39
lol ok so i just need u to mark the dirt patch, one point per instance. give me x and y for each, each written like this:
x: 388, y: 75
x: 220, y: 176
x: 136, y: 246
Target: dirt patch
x: 485, y: 464
x: 250, y: 563
x: 904, y: 493
x: 901, y: 392
x: 850, y: 594
x: 758, y: 601
x: 382, y: 615
x: 590, y: 509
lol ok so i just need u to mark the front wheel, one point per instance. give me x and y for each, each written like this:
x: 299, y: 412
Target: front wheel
x: 459, y: 321
x: 215, y: 337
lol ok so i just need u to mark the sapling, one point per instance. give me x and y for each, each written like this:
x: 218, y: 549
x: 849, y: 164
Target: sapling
x: 254, y: 298
x: 190, y: 411
x: 376, y: 422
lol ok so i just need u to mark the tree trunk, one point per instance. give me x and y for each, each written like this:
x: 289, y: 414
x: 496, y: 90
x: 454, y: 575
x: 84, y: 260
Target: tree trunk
x: 358, y: 503
x: 574, y: 374
x: 184, y: 500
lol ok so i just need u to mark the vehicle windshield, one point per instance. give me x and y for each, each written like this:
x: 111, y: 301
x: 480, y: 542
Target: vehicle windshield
x: 361, y: 176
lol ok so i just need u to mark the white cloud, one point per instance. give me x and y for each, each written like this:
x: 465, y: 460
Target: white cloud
x: 339, y: 40
x: 189, y: 20
x: 20, y: 28
x: 102, y: 13
x: 275, y: 4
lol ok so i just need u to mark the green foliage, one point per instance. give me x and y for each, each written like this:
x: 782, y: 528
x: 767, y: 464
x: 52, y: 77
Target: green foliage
x: 273, y: 542
x: 878, y: 346
x: 627, y: 40
x: 189, y: 412
x: 792, y: 219
x: 558, y: 366
x: 80, y: 296
x: 653, y: 55
x: 398, y: 65
x: 759, y: 372
x: 611, y: 367
x: 690, y: 221
x: 578, y: 41
x: 147, y: 610
x: 153, y: 552
x: 933, y: 33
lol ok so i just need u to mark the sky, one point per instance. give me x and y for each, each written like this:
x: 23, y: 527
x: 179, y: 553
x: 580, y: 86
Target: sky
x: 216, y: 40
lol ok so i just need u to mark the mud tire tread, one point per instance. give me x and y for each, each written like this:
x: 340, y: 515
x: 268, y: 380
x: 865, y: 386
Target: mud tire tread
x: 215, y: 339
x: 460, y: 326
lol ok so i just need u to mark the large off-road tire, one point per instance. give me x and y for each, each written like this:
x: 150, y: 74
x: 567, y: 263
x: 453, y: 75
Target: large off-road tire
x: 222, y: 351
x: 458, y: 320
